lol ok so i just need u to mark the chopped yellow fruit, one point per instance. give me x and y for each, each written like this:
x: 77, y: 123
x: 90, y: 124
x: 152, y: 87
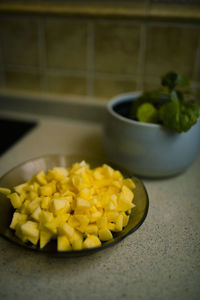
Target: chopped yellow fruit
x: 32, y: 205
x: 82, y: 203
x: 41, y: 178
x: 63, y: 243
x: 92, y: 241
x: 30, y: 228
x: 45, y: 202
x: 66, y: 229
x: 45, y: 190
x: 46, y: 216
x: 18, y: 219
x: 36, y: 214
x: 15, y: 200
x: 61, y: 204
x: 119, y: 223
x: 45, y: 237
x: 91, y: 229
x: 82, y: 219
x: 125, y: 219
x: 77, y: 244
x: 105, y: 234
x: 79, y: 206
x: 5, y: 191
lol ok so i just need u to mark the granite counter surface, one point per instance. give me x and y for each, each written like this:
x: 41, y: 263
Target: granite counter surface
x: 161, y: 260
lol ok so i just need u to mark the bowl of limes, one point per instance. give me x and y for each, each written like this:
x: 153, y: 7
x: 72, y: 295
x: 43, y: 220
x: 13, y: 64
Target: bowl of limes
x: 154, y: 134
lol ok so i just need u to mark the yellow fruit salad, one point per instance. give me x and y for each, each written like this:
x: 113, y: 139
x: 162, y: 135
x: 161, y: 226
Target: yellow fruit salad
x: 80, y: 207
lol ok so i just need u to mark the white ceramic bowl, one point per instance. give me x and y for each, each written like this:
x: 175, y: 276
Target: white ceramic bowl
x: 145, y: 149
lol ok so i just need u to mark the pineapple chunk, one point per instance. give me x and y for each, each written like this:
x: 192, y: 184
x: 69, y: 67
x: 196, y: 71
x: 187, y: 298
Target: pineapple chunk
x: 92, y: 241
x: 125, y: 219
x: 45, y: 237
x: 41, y: 178
x: 63, y: 243
x: 82, y: 203
x: 66, y: 229
x: 5, y: 191
x: 91, y: 229
x: 17, y: 219
x: 79, y: 206
x: 46, y: 190
x: 77, y: 245
x: 46, y: 216
x: 30, y: 229
x: 119, y: 223
x: 36, y: 214
x: 82, y: 219
x: 45, y: 202
x: 15, y: 200
x: 61, y: 204
x: 31, y: 207
x: 105, y: 234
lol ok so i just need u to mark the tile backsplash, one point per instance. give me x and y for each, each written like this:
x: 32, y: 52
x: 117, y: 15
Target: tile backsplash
x: 94, y: 57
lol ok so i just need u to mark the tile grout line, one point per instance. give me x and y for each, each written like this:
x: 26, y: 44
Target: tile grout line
x: 90, y: 59
x: 197, y: 62
x: 142, y: 56
x: 42, y: 54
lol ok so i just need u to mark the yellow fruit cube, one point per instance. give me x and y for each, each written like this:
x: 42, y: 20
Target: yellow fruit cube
x: 129, y: 183
x: 91, y: 229
x: 105, y: 234
x: 5, y: 191
x: 60, y: 204
x: 15, y: 200
x: 72, y: 221
x: 92, y: 241
x: 52, y: 226
x: 95, y: 216
x: 112, y: 215
x: 76, y: 236
x: 66, y: 229
x: 41, y: 178
x: 125, y: 219
x: 77, y: 244
x: 17, y: 219
x: 119, y: 223
x: 32, y: 205
x: 63, y: 243
x: 46, y: 190
x: 46, y: 216
x: 82, y: 203
x: 82, y: 219
x: 45, y: 237
x: 111, y: 226
x: 30, y: 229
x: 36, y: 214
x: 45, y: 202
x: 102, y: 222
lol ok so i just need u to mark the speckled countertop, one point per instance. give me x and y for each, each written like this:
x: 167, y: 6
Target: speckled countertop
x: 161, y: 260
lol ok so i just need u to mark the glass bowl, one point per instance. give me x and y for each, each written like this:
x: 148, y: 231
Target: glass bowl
x: 27, y: 169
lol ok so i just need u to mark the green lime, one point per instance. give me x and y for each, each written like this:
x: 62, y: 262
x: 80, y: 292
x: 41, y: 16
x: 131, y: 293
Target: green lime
x: 147, y: 113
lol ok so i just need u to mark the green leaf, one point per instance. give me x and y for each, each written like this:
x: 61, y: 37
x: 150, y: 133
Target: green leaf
x: 169, y: 80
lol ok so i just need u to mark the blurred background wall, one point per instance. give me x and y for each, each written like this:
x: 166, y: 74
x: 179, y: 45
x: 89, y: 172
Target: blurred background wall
x: 97, y: 49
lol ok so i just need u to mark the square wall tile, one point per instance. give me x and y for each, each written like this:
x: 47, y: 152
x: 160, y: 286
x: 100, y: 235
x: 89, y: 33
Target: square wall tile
x: 67, y: 84
x: 171, y: 48
x: 19, y: 39
x: 23, y: 81
x: 108, y: 88
x: 66, y: 44
x: 117, y: 48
